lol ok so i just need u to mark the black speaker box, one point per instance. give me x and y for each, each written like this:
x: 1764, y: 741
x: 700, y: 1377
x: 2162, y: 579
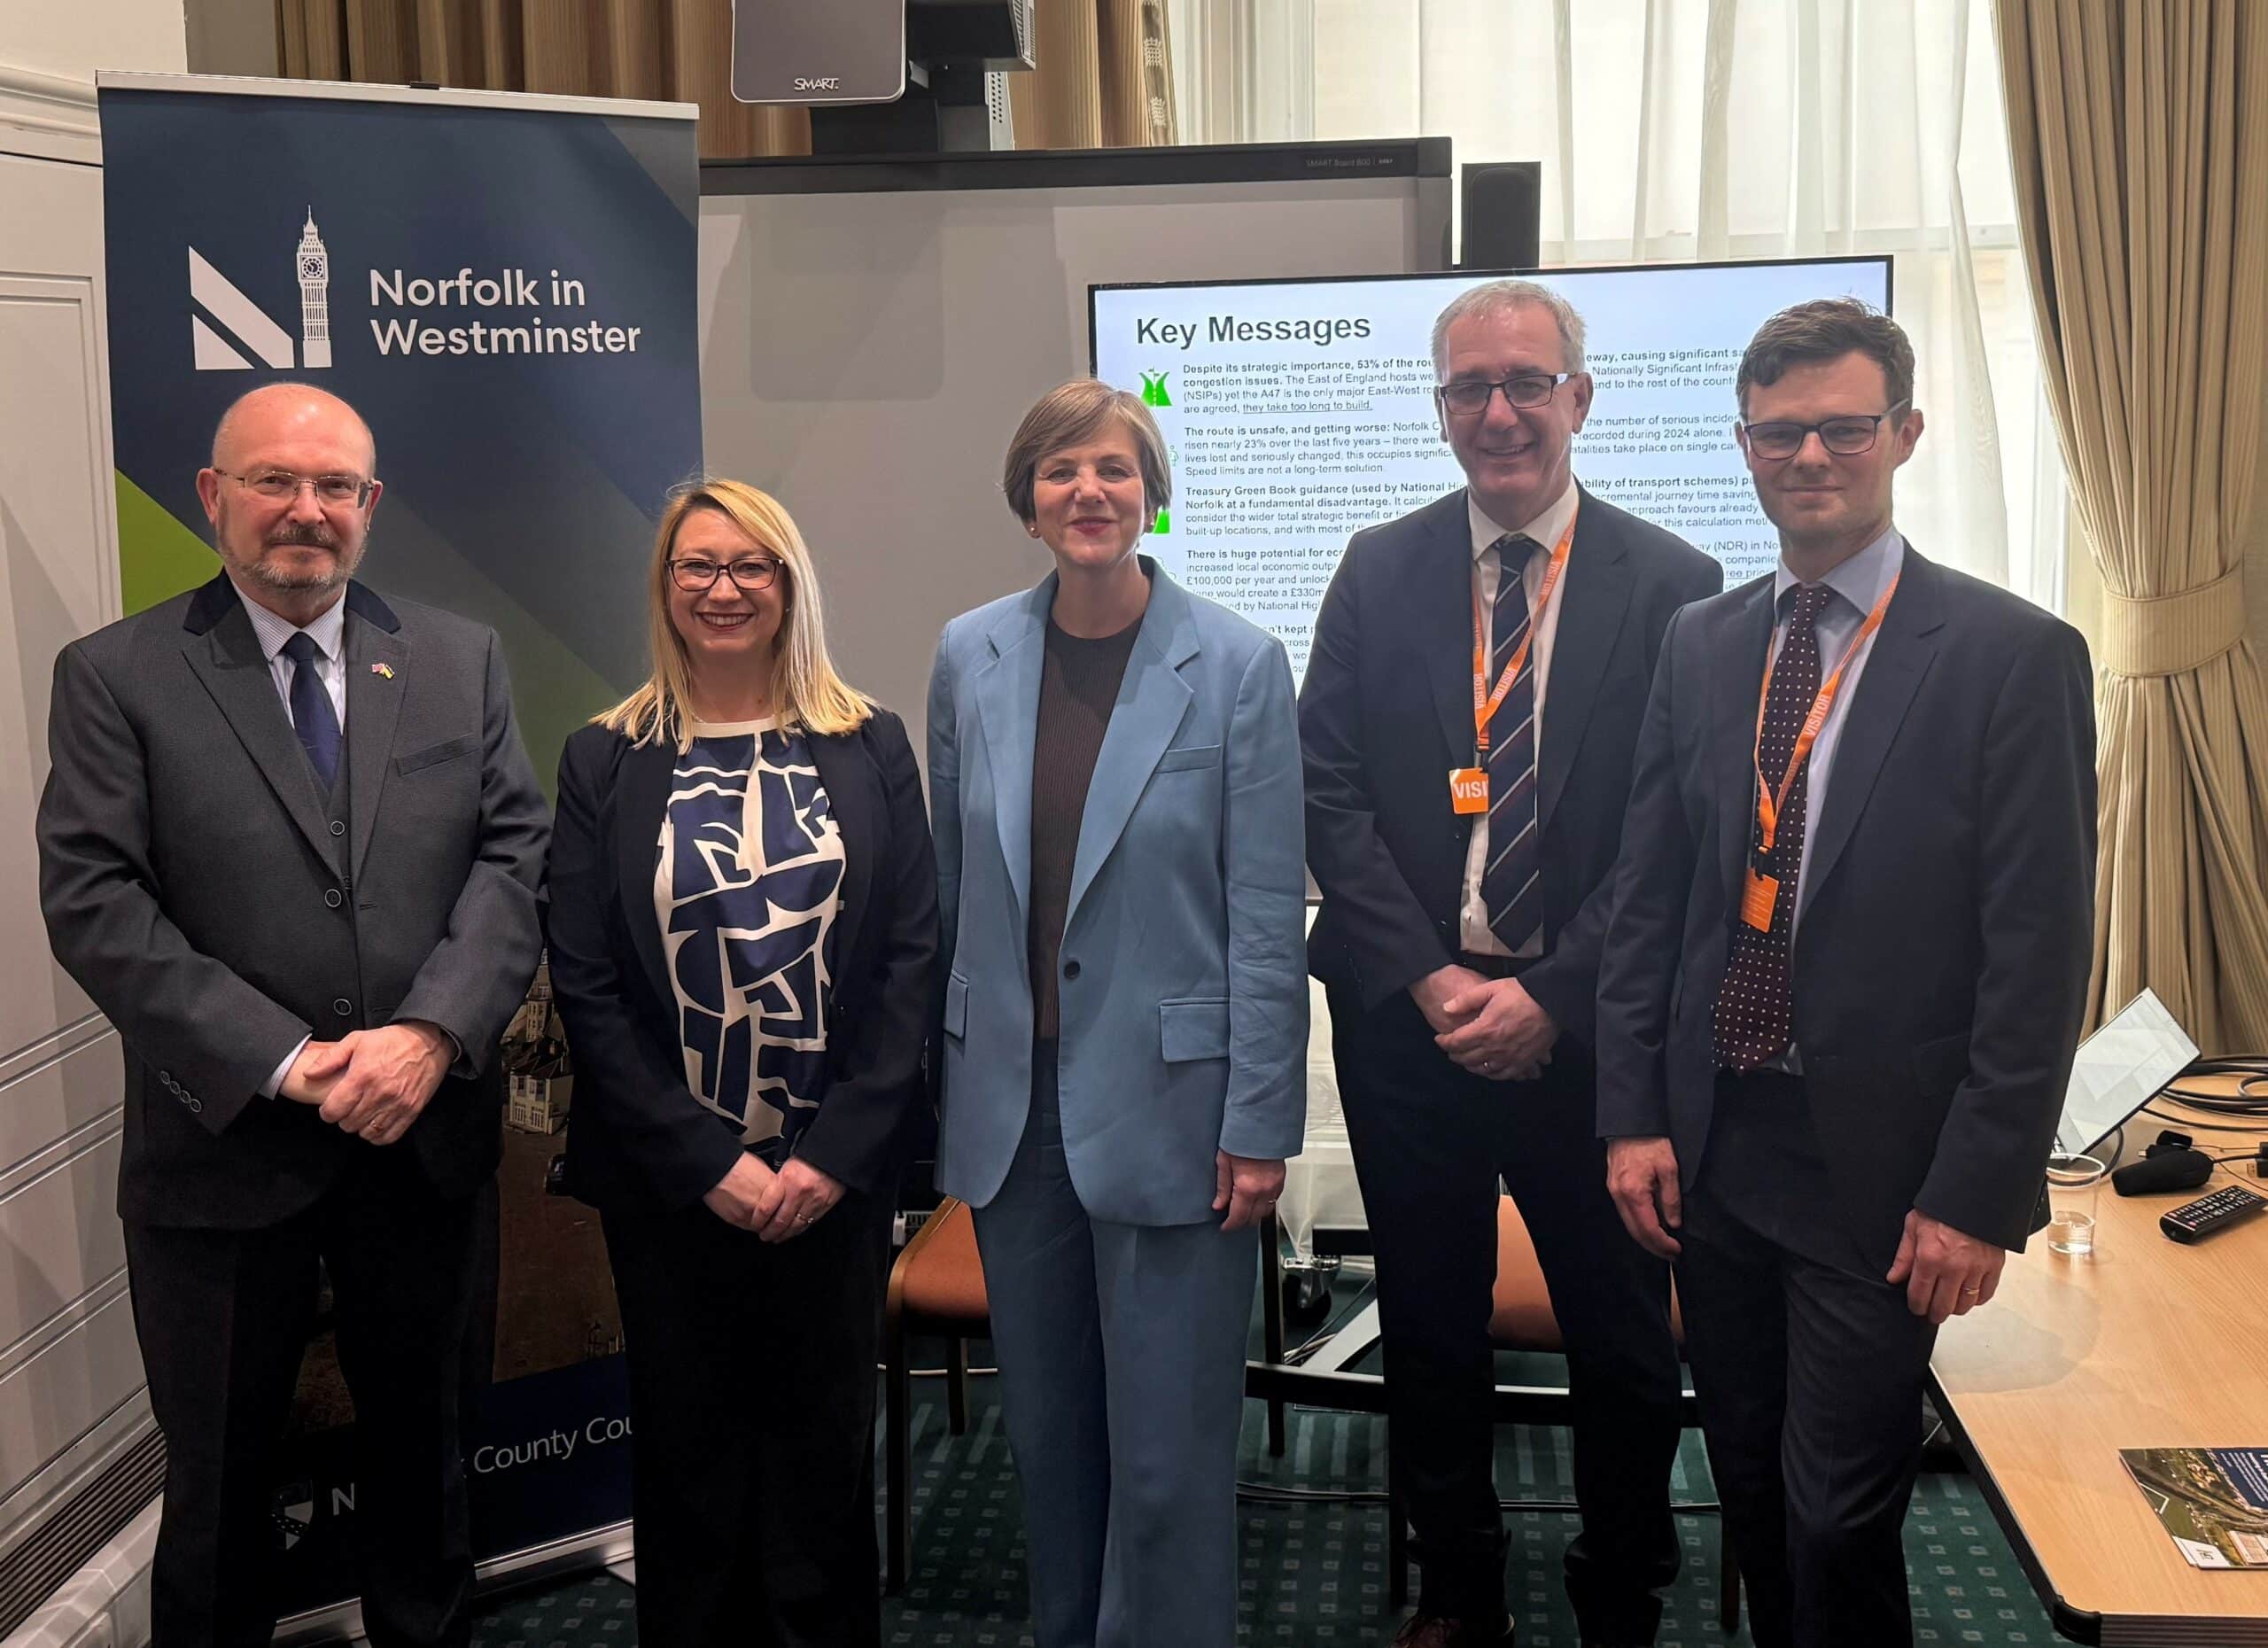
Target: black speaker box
x: 1501, y: 205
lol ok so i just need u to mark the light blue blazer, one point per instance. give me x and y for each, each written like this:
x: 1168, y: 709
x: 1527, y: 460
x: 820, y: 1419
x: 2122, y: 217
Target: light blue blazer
x: 1184, y: 983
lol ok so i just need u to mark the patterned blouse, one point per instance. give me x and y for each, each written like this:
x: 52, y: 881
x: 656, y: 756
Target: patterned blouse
x: 745, y: 891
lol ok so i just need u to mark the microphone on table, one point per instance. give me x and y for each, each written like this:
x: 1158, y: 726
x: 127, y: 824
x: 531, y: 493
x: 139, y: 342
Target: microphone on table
x: 2173, y: 1164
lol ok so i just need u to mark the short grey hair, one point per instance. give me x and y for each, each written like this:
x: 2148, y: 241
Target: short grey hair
x: 1493, y: 298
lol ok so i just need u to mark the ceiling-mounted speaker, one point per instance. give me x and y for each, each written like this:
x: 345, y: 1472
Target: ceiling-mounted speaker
x: 818, y: 51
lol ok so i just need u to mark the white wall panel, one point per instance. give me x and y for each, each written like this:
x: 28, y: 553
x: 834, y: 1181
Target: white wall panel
x: 71, y: 1386
x: 67, y: 1386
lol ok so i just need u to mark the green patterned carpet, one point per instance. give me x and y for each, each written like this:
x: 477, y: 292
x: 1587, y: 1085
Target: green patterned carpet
x: 1315, y: 1573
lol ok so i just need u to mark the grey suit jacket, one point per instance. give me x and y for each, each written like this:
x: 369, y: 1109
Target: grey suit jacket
x: 197, y: 885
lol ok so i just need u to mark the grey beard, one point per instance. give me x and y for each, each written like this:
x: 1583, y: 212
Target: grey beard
x: 274, y: 576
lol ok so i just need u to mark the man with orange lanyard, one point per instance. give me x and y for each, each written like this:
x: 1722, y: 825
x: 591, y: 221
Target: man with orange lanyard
x: 1843, y: 979
x: 1471, y: 707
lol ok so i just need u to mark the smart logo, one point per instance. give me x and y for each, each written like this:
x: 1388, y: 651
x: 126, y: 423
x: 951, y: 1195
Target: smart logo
x: 254, y: 338
x: 831, y: 82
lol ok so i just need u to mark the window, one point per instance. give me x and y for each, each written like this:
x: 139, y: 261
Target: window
x: 1677, y: 129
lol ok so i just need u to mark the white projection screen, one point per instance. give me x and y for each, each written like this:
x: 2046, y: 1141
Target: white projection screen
x: 1298, y: 411
x: 871, y: 331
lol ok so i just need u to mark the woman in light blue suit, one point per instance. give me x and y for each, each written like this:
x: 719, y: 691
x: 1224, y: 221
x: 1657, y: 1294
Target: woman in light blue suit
x: 1114, y: 784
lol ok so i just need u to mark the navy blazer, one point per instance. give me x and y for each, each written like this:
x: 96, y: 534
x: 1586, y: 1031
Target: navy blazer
x: 637, y: 1137
x: 1388, y: 711
x: 1940, y: 964
x: 1185, y: 1006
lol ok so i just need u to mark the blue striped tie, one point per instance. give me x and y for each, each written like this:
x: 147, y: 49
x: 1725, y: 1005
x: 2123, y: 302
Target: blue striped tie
x: 1509, y: 887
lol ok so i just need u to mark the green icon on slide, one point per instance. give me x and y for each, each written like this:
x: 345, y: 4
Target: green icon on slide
x: 1154, y: 389
x: 1163, y: 524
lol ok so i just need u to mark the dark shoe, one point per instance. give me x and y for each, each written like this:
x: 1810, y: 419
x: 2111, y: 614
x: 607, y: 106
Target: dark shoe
x: 1434, y: 1632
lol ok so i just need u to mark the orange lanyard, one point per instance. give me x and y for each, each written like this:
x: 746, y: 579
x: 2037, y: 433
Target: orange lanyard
x: 1767, y: 802
x: 1484, y: 701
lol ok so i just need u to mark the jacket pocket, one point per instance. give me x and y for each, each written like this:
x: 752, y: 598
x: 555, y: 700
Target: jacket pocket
x: 956, y: 1005
x: 1942, y: 1065
x: 1189, y: 755
x: 433, y: 755
x: 1195, y: 1027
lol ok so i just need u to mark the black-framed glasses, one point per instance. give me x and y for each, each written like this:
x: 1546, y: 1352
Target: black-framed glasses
x: 751, y: 573
x: 1469, y: 397
x: 1845, y: 437
x: 333, y: 492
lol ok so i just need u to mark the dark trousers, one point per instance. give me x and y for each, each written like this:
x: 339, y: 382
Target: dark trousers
x: 752, y: 1425
x: 223, y: 1318
x: 1809, y: 1369
x: 1430, y: 1143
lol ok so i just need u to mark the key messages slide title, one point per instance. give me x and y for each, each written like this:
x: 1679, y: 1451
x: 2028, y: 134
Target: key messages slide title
x: 1227, y: 329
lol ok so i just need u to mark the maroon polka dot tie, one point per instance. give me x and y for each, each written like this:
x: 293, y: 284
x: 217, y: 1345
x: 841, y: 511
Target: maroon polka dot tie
x: 1754, y: 1013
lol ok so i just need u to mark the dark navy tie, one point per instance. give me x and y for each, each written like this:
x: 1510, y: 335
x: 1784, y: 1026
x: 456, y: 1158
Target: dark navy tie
x: 1509, y: 885
x: 313, y: 717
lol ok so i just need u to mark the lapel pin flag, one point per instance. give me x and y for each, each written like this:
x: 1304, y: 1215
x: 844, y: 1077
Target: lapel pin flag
x: 385, y: 670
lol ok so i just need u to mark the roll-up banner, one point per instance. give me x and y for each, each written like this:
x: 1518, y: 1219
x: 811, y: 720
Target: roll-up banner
x: 504, y: 287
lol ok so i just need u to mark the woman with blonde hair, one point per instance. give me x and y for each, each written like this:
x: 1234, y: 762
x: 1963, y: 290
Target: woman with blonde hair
x: 744, y: 938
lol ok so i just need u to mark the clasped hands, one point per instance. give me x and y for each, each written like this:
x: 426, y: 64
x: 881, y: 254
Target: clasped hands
x: 374, y: 1082
x: 1490, y: 1026
x: 776, y: 1206
x: 1945, y: 1271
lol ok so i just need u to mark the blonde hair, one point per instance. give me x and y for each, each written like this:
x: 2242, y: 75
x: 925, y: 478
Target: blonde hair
x: 1071, y: 415
x: 807, y: 692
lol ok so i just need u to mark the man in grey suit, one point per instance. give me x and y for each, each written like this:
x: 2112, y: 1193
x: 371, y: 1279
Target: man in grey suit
x: 290, y: 845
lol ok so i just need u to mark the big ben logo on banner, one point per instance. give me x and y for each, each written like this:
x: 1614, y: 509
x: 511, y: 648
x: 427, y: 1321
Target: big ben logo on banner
x: 254, y: 338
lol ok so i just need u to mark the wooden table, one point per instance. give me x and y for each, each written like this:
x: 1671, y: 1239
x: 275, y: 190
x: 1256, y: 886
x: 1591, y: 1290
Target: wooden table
x: 2147, y: 1344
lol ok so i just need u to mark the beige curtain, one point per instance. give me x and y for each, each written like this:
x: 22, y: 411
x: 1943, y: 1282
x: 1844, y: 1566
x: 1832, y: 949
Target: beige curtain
x: 673, y: 50
x: 1103, y: 79
x: 2140, y: 133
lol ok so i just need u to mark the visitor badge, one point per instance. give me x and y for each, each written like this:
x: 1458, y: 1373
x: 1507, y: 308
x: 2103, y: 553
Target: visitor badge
x: 1757, y: 899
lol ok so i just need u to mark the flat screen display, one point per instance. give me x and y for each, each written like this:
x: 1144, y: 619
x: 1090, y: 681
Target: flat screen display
x: 1299, y: 411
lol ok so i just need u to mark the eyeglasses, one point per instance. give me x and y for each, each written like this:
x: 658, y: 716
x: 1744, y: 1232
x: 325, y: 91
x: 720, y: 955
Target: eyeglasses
x: 333, y: 492
x: 1469, y: 397
x: 751, y: 572
x: 1844, y: 437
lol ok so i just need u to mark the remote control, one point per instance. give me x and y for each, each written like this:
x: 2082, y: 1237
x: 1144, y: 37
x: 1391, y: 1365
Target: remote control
x: 2193, y: 1221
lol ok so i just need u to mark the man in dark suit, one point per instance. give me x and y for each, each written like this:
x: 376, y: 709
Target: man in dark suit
x: 1463, y: 855
x: 1843, y: 979
x: 290, y: 844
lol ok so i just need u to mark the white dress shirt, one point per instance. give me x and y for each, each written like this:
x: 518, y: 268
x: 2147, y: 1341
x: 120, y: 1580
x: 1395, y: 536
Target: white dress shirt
x: 1474, y: 932
x: 328, y: 632
x: 1856, y: 585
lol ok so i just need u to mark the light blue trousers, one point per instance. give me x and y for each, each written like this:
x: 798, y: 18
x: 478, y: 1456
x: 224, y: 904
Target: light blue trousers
x: 1122, y: 1354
